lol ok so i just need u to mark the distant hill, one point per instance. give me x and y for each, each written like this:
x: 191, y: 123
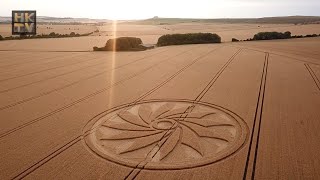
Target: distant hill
x: 162, y: 21
x: 265, y: 20
x: 58, y: 20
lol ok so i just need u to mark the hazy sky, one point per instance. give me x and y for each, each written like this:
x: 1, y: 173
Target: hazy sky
x: 141, y: 9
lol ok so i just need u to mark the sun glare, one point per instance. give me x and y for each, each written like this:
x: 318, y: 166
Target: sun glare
x: 113, y: 61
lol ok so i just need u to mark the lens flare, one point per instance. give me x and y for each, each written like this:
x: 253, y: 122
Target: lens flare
x: 113, y: 62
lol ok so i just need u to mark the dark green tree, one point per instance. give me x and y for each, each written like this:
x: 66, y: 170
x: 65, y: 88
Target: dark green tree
x: 52, y: 34
x: 122, y: 44
x: 272, y: 35
x: 190, y: 38
x: 234, y: 40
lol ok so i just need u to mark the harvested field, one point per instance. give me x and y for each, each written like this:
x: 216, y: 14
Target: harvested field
x: 148, y: 33
x: 216, y: 111
x: 5, y: 29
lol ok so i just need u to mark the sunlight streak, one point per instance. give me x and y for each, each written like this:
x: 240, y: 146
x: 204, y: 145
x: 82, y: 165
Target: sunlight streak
x: 113, y: 62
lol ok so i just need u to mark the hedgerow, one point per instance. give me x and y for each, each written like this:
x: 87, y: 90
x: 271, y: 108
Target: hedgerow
x: 190, y: 38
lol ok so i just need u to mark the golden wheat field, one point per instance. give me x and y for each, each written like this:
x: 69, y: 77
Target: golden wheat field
x: 148, y: 33
x: 229, y: 111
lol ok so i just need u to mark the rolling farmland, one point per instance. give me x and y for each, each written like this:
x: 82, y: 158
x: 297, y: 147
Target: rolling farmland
x: 223, y: 111
x: 148, y: 33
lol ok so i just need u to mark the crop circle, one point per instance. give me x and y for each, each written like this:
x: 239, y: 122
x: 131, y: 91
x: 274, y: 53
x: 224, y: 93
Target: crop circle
x: 169, y: 134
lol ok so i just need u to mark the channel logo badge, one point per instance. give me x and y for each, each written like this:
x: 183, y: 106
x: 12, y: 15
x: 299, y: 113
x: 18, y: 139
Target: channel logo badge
x: 24, y: 22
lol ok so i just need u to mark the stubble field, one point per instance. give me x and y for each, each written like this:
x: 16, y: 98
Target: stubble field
x: 148, y: 33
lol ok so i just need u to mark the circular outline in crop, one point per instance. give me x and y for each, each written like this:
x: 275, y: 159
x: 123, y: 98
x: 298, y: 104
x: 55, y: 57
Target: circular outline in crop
x: 239, y: 143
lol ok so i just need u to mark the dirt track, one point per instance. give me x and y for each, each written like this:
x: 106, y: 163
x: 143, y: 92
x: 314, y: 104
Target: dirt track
x: 227, y: 111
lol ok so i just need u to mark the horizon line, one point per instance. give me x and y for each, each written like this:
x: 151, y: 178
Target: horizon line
x: 155, y: 17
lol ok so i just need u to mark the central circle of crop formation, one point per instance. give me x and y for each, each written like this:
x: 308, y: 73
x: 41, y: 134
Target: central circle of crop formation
x: 163, y: 124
